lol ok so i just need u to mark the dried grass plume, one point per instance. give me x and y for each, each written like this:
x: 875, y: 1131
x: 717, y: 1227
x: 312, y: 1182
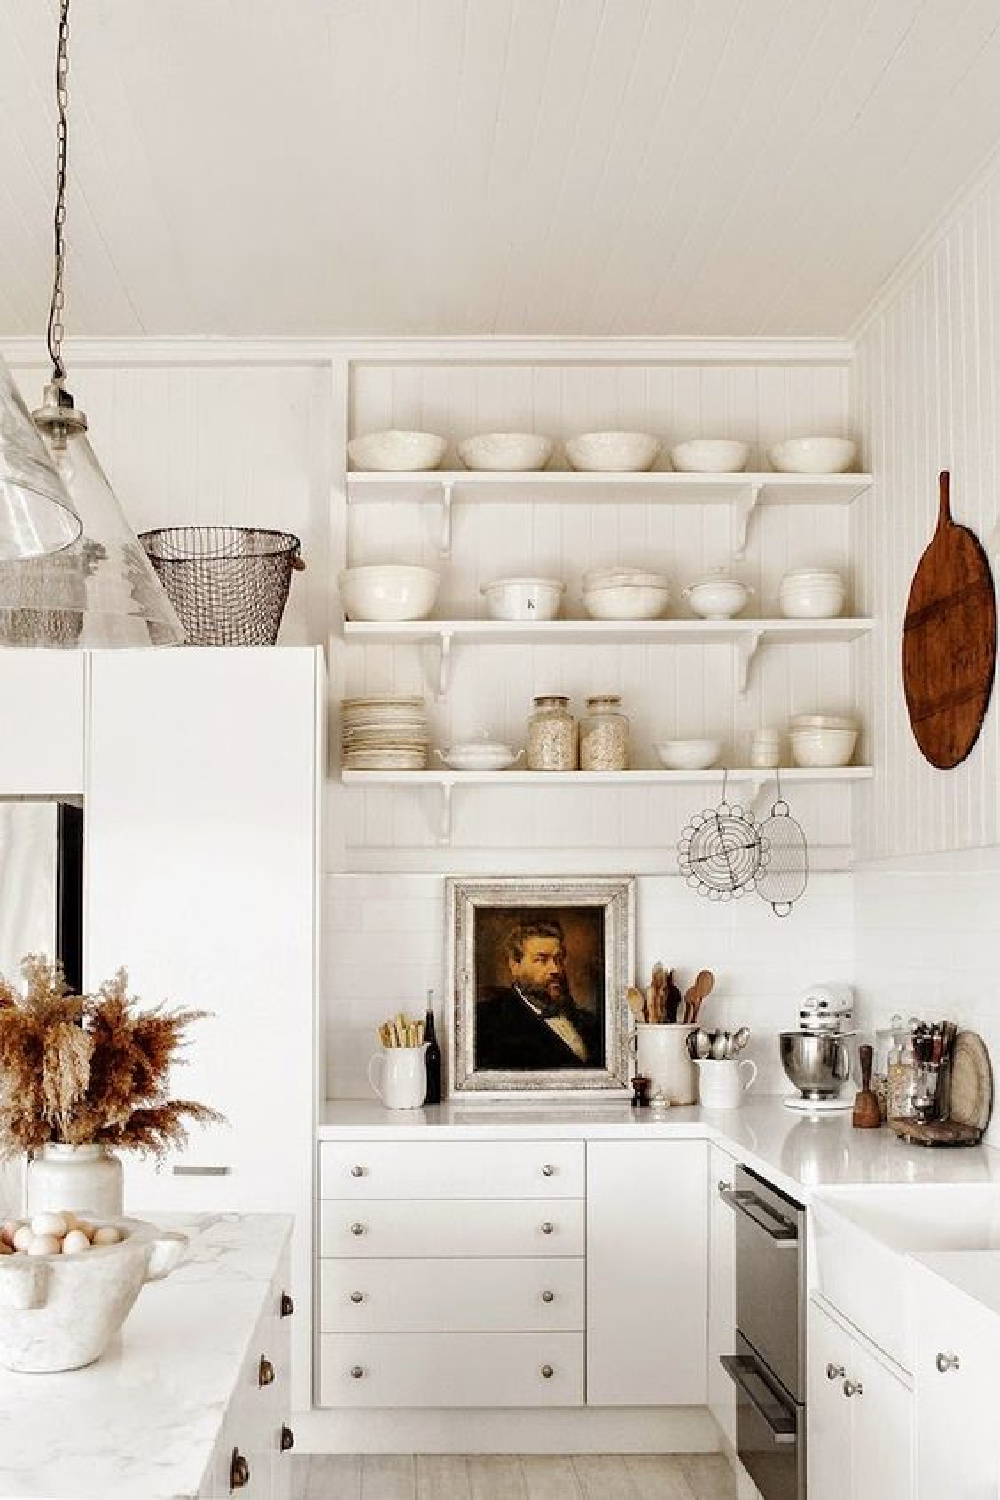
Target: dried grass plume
x: 80, y: 1069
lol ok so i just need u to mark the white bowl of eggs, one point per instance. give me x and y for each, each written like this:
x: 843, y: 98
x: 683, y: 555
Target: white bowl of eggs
x: 67, y: 1284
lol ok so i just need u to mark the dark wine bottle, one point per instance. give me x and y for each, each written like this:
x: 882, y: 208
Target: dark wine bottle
x: 432, y: 1056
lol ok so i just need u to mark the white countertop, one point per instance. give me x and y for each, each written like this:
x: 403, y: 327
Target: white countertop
x: 797, y: 1152
x: 142, y: 1422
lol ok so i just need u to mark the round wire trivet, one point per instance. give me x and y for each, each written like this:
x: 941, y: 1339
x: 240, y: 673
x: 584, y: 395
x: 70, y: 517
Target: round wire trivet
x: 719, y: 853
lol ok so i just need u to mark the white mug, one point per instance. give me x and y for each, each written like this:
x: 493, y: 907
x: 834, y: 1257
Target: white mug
x: 720, y: 1083
x: 404, y: 1076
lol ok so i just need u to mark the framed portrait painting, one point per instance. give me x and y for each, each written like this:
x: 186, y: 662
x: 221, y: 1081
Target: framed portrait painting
x: 538, y: 971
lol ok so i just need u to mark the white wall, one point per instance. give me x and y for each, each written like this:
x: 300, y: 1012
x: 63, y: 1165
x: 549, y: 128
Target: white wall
x: 926, y: 396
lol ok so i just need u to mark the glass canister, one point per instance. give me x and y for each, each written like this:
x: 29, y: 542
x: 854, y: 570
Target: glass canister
x: 551, y: 738
x: 604, y: 735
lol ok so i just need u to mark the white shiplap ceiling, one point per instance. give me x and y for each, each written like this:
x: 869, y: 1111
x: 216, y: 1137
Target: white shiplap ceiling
x: 716, y: 167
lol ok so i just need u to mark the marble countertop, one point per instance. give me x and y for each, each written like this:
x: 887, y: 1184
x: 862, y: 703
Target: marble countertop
x: 142, y: 1422
x: 797, y: 1152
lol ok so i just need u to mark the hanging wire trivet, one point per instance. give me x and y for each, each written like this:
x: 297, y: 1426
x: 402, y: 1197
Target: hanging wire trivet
x: 784, y: 872
x: 719, y: 853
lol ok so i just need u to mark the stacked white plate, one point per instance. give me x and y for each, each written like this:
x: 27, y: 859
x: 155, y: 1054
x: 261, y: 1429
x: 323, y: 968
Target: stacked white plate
x: 384, y: 733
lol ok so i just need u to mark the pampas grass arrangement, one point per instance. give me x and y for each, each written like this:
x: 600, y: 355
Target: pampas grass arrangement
x: 89, y: 1069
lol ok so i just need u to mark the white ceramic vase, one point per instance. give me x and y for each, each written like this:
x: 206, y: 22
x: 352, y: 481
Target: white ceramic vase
x: 82, y: 1179
x: 662, y: 1055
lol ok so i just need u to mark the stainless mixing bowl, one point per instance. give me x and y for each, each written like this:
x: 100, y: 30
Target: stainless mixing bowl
x: 816, y: 1064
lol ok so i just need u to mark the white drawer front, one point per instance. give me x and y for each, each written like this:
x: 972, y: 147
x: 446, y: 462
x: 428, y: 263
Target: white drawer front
x: 451, y: 1169
x: 451, y: 1296
x: 445, y: 1229
x: 451, y: 1369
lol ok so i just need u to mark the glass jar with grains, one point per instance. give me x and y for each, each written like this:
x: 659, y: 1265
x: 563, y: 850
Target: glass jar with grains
x: 604, y: 735
x: 551, y: 741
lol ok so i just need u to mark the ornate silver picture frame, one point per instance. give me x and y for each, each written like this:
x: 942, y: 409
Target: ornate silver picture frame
x: 538, y: 969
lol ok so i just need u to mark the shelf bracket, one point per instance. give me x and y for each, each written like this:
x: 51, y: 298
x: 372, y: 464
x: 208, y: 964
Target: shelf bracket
x: 446, y: 498
x: 743, y: 510
x: 444, y: 663
x: 746, y: 649
x: 444, y: 826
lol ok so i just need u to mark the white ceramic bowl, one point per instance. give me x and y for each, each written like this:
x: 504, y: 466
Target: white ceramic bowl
x: 821, y: 721
x: 613, y: 452
x: 509, y: 451
x: 59, y: 1312
x: 480, y: 755
x: 811, y: 595
x: 718, y: 597
x: 710, y: 456
x: 523, y: 598
x: 688, y: 755
x: 823, y: 747
x: 388, y: 591
x: 610, y: 578
x: 393, y: 451
x: 626, y: 601
x: 813, y: 455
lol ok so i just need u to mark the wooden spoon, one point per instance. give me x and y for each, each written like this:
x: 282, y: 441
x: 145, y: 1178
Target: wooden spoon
x: 636, y: 1003
x: 701, y: 989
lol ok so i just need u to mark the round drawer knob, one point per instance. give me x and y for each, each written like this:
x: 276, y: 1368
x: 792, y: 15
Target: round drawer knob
x: 287, y: 1305
x: 357, y: 1229
x: 548, y: 1296
x: 357, y: 1297
x: 834, y: 1372
x: 547, y: 1228
x: 357, y: 1171
x: 946, y: 1362
x: 547, y: 1372
x: 357, y: 1373
x: 239, y: 1471
x: 265, y: 1371
x: 853, y: 1388
x: 548, y: 1170
x: 287, y: 1437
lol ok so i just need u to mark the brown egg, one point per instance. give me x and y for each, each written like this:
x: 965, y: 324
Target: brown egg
x: 9, y: 1229
x: 106, y: 1234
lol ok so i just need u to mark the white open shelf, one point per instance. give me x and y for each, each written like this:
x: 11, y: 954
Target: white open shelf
x: 447, y: 779
x: 748, y: 636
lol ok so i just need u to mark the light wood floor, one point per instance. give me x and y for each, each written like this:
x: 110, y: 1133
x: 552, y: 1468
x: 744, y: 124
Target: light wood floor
x: 594, y: 1477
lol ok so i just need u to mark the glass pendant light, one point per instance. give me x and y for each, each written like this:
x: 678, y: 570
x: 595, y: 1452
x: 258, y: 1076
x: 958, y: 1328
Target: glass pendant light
x: 101, y: 590
x: 36, y: 513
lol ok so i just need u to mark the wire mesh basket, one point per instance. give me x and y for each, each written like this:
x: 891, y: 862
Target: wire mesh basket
x: 228, y: 584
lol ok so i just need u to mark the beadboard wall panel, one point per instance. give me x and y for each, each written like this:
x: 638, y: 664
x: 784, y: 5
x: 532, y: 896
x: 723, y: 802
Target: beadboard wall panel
x: 925, y: 397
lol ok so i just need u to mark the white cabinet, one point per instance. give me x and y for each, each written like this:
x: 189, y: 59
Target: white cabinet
x: 860, y: 1418
x: 721, y: 1294
x: 957, y: 1380
x: 42, y: 748
x: 647, y: 1249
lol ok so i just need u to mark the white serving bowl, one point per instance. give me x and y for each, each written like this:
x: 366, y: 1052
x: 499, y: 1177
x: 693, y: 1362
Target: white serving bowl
x: 610, y: 578
x: 59, y: 1312
x: 717, y: 596
x: 821, y: 721
x: 813, y: 455
x: 710, y: 456
x: 394, y: 451
x: 523, y: 598
x: 823, y: 747
x: 480, y: 755
x: 613, y: 452
x: 811, y: 594
x: 688, y: 755
x: 389, y: 591
x: 510, y: 451
x: 626, y: 601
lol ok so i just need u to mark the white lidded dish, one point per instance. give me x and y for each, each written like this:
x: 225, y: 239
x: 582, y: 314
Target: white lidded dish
x: 813, y: 455
x: 395, y: 451
x: 710, y: 456
x: 511, y: 452
x: 613, y: 452
x: 718, y: 596
x: 388, y: 591
x: 523, y: 598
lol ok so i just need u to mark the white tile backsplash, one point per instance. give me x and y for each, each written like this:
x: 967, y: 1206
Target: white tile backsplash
x: 386, y: 946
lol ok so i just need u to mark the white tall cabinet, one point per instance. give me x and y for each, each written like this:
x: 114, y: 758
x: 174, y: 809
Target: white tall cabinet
x: 201, y: 877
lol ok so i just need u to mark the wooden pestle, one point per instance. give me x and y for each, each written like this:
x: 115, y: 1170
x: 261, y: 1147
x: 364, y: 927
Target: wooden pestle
x: 867, y: 1115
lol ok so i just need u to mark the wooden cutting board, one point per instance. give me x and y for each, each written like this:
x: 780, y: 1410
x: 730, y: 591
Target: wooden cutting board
x: 949, y: 641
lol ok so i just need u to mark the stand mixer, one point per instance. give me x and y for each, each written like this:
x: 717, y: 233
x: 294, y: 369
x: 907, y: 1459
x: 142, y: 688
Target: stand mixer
x: 816, y: 1058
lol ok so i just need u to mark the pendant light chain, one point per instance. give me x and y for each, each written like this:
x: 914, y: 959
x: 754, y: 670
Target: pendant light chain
x: 55, y: 328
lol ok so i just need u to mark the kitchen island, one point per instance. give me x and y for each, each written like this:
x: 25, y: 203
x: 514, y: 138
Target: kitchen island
x: 178, y: 1392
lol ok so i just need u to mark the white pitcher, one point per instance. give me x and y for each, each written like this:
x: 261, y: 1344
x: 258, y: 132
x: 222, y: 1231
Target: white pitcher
x: 404, y: 1076
x: 720, y: 1081
x: 661, y: 1053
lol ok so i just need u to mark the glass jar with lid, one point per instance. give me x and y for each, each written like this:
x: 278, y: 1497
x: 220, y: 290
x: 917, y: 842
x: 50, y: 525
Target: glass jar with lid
x: 604, y: 735
x: 552, y: 735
